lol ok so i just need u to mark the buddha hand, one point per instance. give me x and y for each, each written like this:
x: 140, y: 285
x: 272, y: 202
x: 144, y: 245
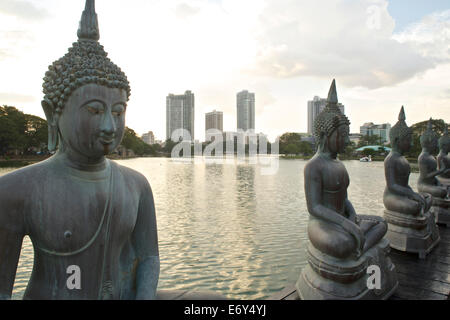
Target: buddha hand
x: 357, y: 233
x: 417, y: 197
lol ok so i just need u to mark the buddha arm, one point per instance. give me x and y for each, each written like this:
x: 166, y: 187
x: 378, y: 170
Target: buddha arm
x: 350, y: 211
x: 145, y: 242
x: 313, y: 192
x: 11, y: 237
x: 393, y: 186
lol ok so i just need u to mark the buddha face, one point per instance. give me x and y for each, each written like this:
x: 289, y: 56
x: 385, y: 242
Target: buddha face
x: 92, y: 122
x: 404, y: 143
x: 339, y: 139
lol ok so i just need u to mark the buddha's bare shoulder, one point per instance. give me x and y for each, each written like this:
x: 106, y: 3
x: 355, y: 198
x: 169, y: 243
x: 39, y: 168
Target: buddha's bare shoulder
x: 316, y: 164
x: 133, y: 178
x: 22, y: 180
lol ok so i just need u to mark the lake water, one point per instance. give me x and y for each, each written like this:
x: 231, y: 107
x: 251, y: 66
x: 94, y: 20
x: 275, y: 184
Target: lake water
x: 229, y: 228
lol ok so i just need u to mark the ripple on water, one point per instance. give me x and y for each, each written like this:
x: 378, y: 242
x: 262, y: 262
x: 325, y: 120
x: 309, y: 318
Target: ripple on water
x: 229, y: 229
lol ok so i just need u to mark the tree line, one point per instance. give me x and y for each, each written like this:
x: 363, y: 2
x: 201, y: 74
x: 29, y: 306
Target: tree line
x: 25, y: 134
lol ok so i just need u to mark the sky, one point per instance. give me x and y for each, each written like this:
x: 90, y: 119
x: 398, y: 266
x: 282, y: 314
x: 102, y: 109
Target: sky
x: 383, y: 54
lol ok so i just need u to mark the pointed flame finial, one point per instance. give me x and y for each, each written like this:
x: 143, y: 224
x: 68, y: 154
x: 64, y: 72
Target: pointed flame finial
x: 430, y: 124
x: 332, y: 94
x: 88, y: 29
x: 402, y: 116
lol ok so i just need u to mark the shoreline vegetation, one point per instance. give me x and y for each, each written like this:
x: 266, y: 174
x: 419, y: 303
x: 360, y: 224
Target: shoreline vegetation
x: 24, y: 137
x: 23, y: 161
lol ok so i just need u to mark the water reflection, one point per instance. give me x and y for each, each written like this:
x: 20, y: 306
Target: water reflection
x: 227, y: 228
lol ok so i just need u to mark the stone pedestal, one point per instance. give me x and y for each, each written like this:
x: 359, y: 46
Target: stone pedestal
x: 329, y: 278
x: 415, y: 234
x: 441, y: 211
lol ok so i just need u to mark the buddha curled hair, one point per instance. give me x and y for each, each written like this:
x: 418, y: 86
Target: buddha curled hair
x: 331, y: 117
x: 400, y: 129
x: 85, y: 63
x: 429, y: 136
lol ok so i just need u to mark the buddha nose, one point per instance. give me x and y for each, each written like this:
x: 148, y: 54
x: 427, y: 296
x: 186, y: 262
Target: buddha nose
x: 108, y: 126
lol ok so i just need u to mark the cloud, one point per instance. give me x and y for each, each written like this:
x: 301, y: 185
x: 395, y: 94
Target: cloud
x: 430, y: 36
x: 15, y: 98
x: 183, y: 11
x: 348, y: 40
x: 22, y: 9
x: 14, y: 42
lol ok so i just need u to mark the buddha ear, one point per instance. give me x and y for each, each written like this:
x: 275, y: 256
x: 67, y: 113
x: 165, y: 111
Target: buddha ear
x: 49, y: 110
x: 52, y: 120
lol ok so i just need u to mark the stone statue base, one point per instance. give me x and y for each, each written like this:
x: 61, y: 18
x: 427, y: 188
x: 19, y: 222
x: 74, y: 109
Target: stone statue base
x: 329, y: 278
x: 415, y: 234
x: 441, y: 211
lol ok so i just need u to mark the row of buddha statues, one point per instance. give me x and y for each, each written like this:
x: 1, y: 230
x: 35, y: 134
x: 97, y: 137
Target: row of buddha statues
x: 343, y: 244
x: 81, y: 209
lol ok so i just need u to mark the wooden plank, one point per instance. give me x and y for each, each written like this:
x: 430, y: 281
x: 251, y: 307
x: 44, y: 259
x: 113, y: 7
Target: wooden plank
x: 432, y: 285
x: 405, y: 292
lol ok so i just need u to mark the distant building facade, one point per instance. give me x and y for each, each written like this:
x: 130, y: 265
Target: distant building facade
x: 315, y: 107
x: 371, y: 129
x: 245, y: 111
x: 213, y: 120
x: 148, y: 138
x: 180, y: 114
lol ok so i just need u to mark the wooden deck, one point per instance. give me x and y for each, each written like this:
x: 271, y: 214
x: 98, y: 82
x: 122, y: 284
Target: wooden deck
x: 427, y: 279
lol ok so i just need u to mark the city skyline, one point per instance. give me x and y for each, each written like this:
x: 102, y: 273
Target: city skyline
x: 269, y: 47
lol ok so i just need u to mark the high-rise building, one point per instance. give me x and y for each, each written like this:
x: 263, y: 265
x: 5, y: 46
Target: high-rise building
x: 180, y: 114
x: 148, y: 138
x: 245, y: 111
x: 213, y: 120
x: 315, y: 107
x: 371, y: 129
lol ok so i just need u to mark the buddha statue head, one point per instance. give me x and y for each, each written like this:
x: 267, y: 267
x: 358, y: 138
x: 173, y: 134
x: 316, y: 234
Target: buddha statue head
x: 331, y: 128
x: 429, y: 139
x: 444, y: 141
x: 401, y: 135
x: 86, y: 95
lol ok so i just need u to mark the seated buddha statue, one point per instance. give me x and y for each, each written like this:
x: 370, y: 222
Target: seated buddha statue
x: 443, y: 158
x: 341, y: 241
x: 428, y: 165
x: 411, y: 227
x: 429, y: 173
x: 91, y: 221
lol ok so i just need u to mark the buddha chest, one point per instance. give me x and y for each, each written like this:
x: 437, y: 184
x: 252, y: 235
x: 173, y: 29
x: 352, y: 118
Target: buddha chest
x: 67, y: 215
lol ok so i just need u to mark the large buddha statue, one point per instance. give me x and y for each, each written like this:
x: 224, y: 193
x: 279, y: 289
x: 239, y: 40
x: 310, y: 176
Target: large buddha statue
x: 443, y: 158
x: 342, y: 243
x: 91, y: 221
x: 428, y: 181
x: 411, y: 225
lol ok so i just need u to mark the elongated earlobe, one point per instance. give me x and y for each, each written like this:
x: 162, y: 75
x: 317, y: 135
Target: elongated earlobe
x: 52, y: 120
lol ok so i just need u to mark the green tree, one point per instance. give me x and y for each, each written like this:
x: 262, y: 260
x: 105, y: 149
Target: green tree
x: 418, y: 129
x: 133, y: 142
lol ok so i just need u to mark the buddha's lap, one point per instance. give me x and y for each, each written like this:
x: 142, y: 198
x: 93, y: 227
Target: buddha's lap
x: 435, y: 191
x: 396, y: 203
x: 331, y: 239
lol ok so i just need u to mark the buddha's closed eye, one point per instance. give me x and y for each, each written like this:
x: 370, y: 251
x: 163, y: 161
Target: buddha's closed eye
x: 96, y: 108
